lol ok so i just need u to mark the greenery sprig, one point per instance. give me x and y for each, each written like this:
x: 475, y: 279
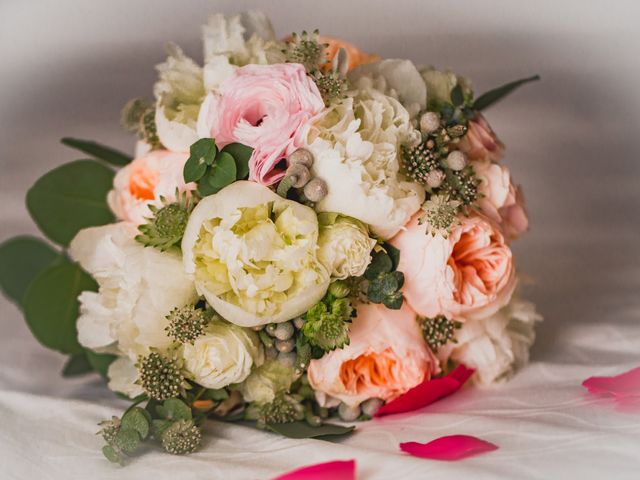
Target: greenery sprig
x: 385, y: 282
x: 327, y: 322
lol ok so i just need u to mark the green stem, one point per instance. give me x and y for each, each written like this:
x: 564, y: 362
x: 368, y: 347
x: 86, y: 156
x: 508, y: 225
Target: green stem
x: 285, y: 185
x: 136, y: 401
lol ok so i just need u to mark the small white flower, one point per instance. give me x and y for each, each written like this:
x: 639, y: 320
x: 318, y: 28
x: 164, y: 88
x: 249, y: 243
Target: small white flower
x: 266, y: 381
x: 122, y: 374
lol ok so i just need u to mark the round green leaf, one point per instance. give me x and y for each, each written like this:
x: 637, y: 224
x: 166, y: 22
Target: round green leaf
x: 21, y: 259
x: 174, y: 409
x: 136, y: 419
x: 110, y: 453
x: 223, y: 171
x: 241, y: 154
x: 51, y: 306
x: 70, y: 198
x: 127, y: 440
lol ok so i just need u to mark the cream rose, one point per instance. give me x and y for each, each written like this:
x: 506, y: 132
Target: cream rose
x: 266, y: 382
x: 224, y: 355
x: 386, y: 357
x: 253, y: 255
x: 344, y: 246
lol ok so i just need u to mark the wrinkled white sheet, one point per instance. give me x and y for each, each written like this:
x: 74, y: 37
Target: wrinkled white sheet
x: 69, y: 65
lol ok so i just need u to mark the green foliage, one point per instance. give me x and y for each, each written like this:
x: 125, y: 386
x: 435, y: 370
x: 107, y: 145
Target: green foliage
x: 203, y: 153
x: 385, y: 282
x: 98, y: 151
x: 137, y: 419
x: 77, y: 364
x: 70, y: 198
x: 51, y: 305
x: 165, y: 228
x: 100, y: 361
x: 21, y: 260
x: 492, y: 96
x: 302, y: 429
x: 174, y: 409
x: 327, y: 324
x: 241, y: 154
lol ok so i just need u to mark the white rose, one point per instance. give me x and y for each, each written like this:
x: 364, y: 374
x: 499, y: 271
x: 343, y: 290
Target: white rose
x: 266, y: 381
x: 498, y: 345
x: 123, y: 374
x: 440, y: 83
x: 253, y: 255
x: 224, y: 355
x: 138, y: 287
x: 356, y: 145
x: 345, y: 246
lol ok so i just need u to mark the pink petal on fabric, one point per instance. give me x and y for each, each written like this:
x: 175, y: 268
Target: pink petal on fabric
x: 427, y: 392
x: 336, y: 470
x: 626, y: 384
x: 449, y: 448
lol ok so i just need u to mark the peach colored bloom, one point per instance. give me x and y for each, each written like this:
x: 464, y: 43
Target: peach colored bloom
x: 386, y: 357
x: 481, y: 143
x: 144, y: 181
x: 356, y: 56
x: 267, y: 107
x: 470, y: 274
x: 500, y: 200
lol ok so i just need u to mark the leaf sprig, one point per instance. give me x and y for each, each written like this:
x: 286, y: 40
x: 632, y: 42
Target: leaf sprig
x: 385, y: 282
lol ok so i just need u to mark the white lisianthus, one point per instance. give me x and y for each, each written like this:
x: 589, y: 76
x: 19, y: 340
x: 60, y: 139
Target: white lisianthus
x: 266, y: 381
x: 498, y: 345
x: 138, y: 287
x: 123, y: 374
x: 345, y: 245
x: 253, y: 255
x: 225, y: 354
x: 356, y: 145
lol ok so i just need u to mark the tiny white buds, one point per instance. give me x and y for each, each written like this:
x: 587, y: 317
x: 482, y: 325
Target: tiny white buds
x: 301, y: 156
x: 429, y: 122
x: 414, y: 138
x: 456, y: 160
x: 435, y: 178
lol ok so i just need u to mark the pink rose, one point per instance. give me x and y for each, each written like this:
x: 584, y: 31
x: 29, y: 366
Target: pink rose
x: 500, y: 200
x: 481, y: 143
x: 267, y: 107
x: 142, y: 183
x: 386, y: 357
x: 470, y: 274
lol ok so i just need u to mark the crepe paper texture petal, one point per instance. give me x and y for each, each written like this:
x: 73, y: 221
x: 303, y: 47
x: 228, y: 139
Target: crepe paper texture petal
x: 624, y: 385
x: 449, y: 448
x: 336, y: 470
x: 427, y: 392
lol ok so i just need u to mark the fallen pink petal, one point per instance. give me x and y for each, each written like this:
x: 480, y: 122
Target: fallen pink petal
x: 427, y: 392
x: 449, y: 448
x: 626, y: 384
x: 336, y: 470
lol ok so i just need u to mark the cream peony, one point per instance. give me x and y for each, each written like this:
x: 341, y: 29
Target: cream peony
x: 144, y: 181
x: 138, y: 287
x: 224, y: 355
x: 356, y: 147
x: 253, y: 255
x: 266, y: 381
x: 498, y: 345
x: 386, y: 357
x: 344, y: 246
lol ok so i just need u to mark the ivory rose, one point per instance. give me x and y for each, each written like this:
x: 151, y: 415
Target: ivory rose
x: 142, y: 183
x: 386, y: 357
x: 500, y: 200
x: 481, y: 143
x: 269, y: 108
x: 470, y: 274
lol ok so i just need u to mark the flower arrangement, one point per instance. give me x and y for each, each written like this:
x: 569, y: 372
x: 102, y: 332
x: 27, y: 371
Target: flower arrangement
x: 306, y: 232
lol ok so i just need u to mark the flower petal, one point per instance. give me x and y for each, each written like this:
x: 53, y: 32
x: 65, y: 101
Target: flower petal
x: 336, y: 470
x: 449, y: 448
x: 427, y: 392
x: 626, y: 384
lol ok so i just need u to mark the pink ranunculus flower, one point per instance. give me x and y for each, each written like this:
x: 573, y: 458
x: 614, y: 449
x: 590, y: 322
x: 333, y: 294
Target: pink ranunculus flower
x: 500, y: 199
x: 386, y: 357
x: 267, y: 107
x: 481, y: 143
x: 468, y: 275
x: 141, y: 183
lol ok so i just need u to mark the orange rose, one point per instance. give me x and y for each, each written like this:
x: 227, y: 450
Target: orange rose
x: 355, y: 56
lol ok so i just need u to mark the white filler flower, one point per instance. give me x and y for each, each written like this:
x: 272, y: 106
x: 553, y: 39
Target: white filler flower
x: 253, y: 255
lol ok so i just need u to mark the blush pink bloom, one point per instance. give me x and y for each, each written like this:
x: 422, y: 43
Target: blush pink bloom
x: 470, y: 274
x: 386, y: 357
x: 141, y: 183
x: 267, y: 107
x: 500, y: 199
x: 481, y: 143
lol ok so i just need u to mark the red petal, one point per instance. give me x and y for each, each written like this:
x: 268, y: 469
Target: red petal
x: 427, y: 392
x: 337, y: 470
x: 450, y: 448
x: 624, y: 385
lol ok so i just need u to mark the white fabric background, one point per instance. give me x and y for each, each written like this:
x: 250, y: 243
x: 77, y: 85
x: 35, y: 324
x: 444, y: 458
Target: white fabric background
x: 68, y: 66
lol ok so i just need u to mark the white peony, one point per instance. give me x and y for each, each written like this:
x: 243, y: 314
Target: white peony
x: 356, y: 145
x: 225, y: 354
x: 345, y: 246
x: 498, y: 345
x: 253, y: 255
x: 123, y: 374
x: 138, y: 287
x: 266, y: 381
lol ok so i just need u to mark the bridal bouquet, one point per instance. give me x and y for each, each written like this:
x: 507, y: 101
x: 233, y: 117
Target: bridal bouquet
x: 306, y: 232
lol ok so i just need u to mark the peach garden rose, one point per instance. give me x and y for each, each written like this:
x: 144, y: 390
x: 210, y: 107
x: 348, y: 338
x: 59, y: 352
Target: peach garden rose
x: 481, y: 143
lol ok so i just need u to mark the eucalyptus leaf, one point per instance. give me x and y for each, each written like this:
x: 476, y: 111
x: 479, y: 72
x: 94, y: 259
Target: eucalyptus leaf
x: 457, y: 95
x: 21, y: 259
x: 304, y: 430
x: 136, y: 419
x: 204, y: 185
x: 202, y: 154
x: 159, y: 426
x: 223, y: 171
x: 375, y: 291
x: 95, y: 150
x: 394, y: 255
x: 127, y: 440
x: 111, y: 454
x: 70, y: 198
x: 51, y: 306
x: 77, y: 364
x: 394, y: 301
x: 380, y: 263
x: 388, y: 283
x: 241, y: 154
x: 217, y: 395
x: 492, y: 96
x: 174, y: 409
